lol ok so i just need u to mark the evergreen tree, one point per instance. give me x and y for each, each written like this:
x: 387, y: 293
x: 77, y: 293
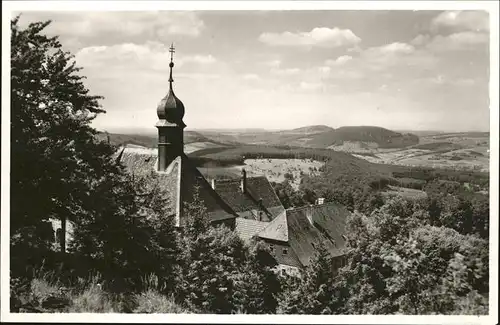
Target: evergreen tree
x: 212, y: 259
x: 60, y: 170
x: 315, y: 292
x: 257, y: 285
x: 56, y: 162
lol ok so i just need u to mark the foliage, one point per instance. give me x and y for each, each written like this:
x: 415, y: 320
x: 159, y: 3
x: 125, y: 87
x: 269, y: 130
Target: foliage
x: 396, y: 265
x: 315, y: 291
x: 57, y: 166
x: 56, y: 163
x: 290, y: 198
x: 453, y: 206
x: 257, y: 284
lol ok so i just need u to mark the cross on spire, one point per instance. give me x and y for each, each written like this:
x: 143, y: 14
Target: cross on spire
x: 171, y: 64
x: 172, y: 51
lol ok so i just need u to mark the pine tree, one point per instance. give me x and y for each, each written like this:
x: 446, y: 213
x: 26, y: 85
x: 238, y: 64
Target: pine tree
x: 315, y: 292
x: 60, y: 170
x: 56, y: 162
x: 212, y: 259
x: 257, y: 285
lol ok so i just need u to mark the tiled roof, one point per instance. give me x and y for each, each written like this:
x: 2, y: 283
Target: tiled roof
x: 329, y: 221
x: 217, y: 209
x: 181, y: 177
x: 276, y: 229
x: 246, y: 204
x: 285, y: 258
x: 247, y: 228
x: 137, y: 162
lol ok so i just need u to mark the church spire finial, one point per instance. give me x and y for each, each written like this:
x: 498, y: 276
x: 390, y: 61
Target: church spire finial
x: 171, y: 64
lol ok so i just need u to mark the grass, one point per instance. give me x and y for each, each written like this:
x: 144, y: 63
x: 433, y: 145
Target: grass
x: 152, y: 302
x: 45, y: 294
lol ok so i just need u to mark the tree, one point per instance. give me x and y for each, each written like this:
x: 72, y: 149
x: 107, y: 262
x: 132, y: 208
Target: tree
x: 212, y: 259
x: 399, y: 264
x: 61, y: 170
x: 132, y: 236
x: 56, y: 161
x: 257, y: 285
x: 315, y: 292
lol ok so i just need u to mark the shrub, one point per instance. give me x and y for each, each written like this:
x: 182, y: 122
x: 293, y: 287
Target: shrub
x: 152, y: 301
x: 93, y: 300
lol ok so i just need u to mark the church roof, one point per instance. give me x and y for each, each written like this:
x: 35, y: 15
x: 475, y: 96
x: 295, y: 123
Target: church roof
x: 179, y: 181
x: 247, y: 204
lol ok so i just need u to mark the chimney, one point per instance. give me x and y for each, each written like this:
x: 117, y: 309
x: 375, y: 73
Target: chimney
x: 213, y: 183
x: 243, y: 185
x: 309, y: 214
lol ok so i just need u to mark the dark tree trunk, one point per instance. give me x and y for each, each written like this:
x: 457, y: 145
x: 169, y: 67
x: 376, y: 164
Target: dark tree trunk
x: 63, y: 234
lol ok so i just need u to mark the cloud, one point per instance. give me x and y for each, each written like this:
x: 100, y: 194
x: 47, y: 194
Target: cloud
x: 273, y: 63
x: 340, y: 60
x: 119, y: 27
x: 310, y: 85
x: 453, y: 42
x: 389, y: 49
x: 320, y: 37
x: 462, y: 20
x: 147, y: 56
x: 286, y: 72
x: 250, y: 76
x: 392, y: 55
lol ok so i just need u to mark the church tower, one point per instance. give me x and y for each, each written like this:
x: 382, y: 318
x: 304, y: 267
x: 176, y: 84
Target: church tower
x: 170, y: 126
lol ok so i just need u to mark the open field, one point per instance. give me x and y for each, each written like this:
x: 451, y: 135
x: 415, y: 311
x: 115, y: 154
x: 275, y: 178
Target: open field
x: 461, y: 151
x: 404, y: 192
x: 274, y: 169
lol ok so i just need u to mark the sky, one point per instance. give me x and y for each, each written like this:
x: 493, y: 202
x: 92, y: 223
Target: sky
x: 402, y: 70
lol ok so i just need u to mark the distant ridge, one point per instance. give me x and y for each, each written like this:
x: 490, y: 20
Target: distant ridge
x: 309, y: 129
x: 384, y: 138
x: 312, y: 136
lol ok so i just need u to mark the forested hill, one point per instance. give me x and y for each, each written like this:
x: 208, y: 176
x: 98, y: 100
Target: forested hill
x: 384, y: 138
x: 314, y: 136
x: 151, y: 141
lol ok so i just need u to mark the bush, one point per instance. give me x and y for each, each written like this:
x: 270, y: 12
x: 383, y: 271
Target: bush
x: 152, y: 302
x: 93, y: 300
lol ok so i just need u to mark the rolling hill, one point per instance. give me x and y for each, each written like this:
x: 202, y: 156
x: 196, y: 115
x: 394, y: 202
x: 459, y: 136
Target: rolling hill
x: 315, y: 136
x: 151, y: 141
x: 382, y: 138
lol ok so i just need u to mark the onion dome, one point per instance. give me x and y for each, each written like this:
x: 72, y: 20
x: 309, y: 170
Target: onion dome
x: 170, y: 107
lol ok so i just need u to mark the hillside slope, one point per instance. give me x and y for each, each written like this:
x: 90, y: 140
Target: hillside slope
x: 315, y: 136
x: 151, y: 141
x: 318, y: 136
x: 382, y: 137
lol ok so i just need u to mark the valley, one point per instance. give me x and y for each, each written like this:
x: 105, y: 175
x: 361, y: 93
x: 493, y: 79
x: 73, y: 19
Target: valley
x: 459, y: 151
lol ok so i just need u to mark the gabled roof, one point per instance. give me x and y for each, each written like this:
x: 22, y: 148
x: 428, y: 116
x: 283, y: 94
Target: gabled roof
x: 276, y: 229
x: 190, y: 178
x: 179, y: 182
x: 328, y: 227
x: 247, y: 228
x: 247, y: 204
